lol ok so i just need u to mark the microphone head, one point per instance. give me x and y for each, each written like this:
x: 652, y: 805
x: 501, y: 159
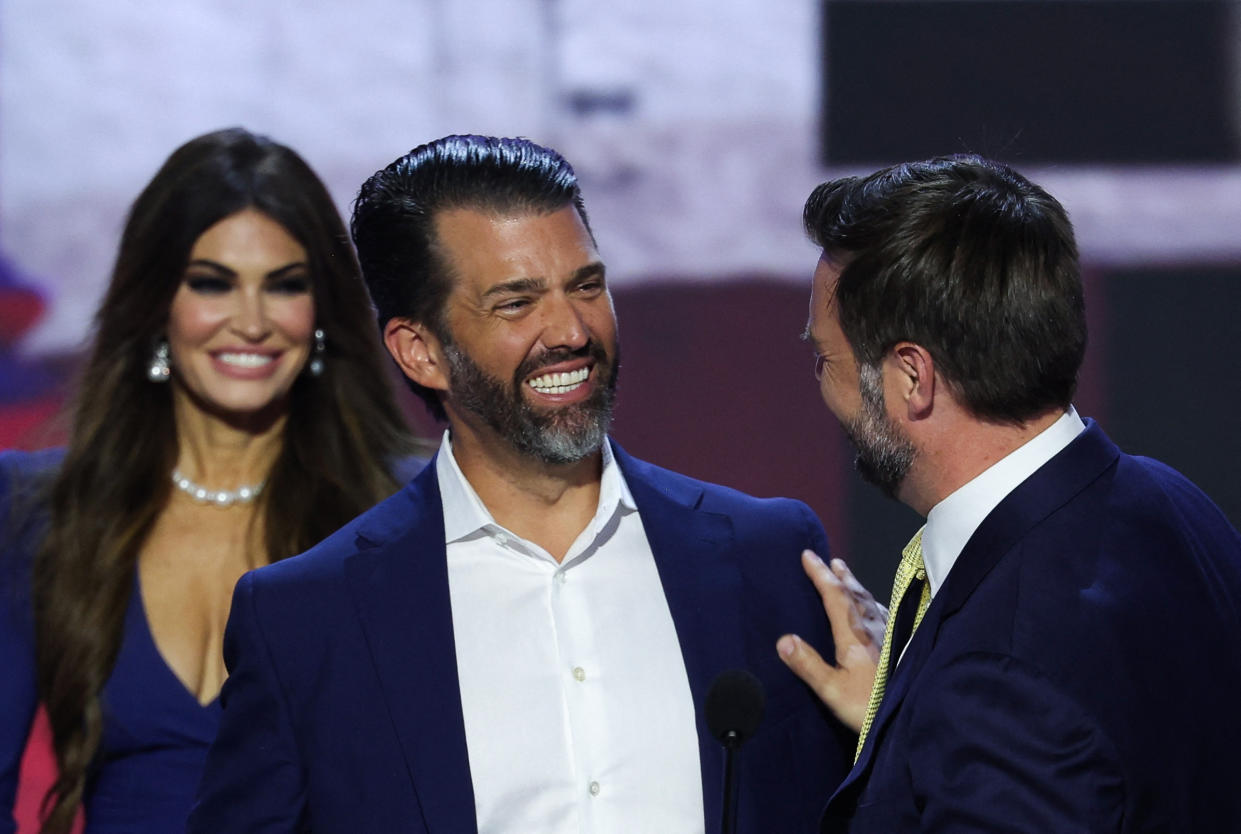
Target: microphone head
x: 734, y: 706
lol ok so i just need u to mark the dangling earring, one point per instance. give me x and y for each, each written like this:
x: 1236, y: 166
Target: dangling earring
x: 159, y: 370
x: 315, y: 366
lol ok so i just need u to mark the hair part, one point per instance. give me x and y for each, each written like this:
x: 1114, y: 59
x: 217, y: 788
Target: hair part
x: 394, y: 217
x: 114, y: 480
x: 968, y: 259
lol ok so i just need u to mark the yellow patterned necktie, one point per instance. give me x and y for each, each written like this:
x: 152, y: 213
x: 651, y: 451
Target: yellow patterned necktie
x: 910, y: 568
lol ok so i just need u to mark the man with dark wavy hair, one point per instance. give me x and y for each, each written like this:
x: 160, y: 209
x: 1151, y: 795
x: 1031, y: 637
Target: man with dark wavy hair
x: 1075, y: 612
x: 522, y: 639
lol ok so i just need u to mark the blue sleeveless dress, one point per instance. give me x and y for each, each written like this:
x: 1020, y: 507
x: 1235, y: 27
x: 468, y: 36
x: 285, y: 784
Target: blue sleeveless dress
x: 155, y: 740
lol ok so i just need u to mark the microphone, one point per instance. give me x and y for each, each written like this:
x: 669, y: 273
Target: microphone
x: 733, y: 709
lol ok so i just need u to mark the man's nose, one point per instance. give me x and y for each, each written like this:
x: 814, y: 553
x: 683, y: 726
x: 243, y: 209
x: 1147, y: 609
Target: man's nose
x: 564, y: 326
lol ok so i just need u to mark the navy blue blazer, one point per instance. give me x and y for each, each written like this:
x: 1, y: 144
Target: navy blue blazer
x: 342, y: 711
x: 1078, y: 671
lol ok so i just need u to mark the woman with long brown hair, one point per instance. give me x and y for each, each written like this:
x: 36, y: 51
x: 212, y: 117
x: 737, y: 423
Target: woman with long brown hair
x: 234, y: 409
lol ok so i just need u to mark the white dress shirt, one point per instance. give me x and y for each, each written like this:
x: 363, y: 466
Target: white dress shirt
x: 578, y: 712
x: 951, y: 522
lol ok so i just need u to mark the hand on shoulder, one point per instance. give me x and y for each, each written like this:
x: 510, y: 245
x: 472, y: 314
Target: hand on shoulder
x: 857, y: 623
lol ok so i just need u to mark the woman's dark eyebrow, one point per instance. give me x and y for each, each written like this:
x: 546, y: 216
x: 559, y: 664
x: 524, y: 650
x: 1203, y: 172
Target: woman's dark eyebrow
x: 210, y: 264
x: 279, y: 272
x: 295, y: 266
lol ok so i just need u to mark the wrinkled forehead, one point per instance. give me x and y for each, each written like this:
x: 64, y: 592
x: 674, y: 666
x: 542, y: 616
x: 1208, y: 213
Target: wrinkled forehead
x: 482, y: 249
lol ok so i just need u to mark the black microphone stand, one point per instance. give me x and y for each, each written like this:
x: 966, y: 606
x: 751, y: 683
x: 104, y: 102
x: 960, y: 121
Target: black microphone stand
x: 732, y: 742
x: 733, y: 709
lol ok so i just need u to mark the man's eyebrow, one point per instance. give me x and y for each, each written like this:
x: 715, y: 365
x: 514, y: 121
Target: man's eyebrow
x: 516, y: 285
x: 808, y: 338
x: 591, y: 270
x: 520, y: 285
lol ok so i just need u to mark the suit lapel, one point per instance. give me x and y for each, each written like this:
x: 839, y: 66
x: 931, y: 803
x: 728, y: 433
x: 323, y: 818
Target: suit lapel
x: 698, y: 569
x: 894, y: 692
x: 399, y: 580
x: 1055, y: 483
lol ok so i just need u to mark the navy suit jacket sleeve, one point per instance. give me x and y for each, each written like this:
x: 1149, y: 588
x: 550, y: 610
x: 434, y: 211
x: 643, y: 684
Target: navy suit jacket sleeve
x: 995, y: 746
x: 20, y: 527
x: 253, y: 773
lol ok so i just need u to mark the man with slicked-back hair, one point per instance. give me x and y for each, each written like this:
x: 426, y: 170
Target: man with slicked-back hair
x: 522, y: 639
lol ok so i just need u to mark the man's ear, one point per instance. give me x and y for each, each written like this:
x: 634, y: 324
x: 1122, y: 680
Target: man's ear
x: 911, y: 379
x: 417, y: 351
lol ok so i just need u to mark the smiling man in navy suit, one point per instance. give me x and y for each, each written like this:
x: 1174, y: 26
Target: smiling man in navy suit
x: 1075, y: 658
x: 521, y: 640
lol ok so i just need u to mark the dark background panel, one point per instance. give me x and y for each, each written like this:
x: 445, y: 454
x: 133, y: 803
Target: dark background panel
x: 716, y: 383
x: 1115, y: 81
x: 1172, y: 381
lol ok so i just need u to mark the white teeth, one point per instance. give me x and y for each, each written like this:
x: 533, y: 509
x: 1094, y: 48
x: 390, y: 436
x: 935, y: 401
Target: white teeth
x: 244, y: 360
x: 559, y: 383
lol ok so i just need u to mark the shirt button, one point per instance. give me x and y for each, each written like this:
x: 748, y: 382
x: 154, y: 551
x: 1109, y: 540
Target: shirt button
x: 594, y: 788
x: 502, y: 540
x: 579, y: 674
x: 562, y: 577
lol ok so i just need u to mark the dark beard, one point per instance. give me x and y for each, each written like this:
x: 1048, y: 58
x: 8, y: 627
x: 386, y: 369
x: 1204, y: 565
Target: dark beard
x: 884, y: 453
x: 558, y: 436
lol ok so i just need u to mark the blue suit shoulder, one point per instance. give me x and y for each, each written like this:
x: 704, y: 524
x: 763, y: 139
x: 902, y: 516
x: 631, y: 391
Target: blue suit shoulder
x: 769, y: 534
x: 1125, y: 535
x: 320, y: 568
x: 707, y: 496
x: 323, y: 562
x: 1161, y: 495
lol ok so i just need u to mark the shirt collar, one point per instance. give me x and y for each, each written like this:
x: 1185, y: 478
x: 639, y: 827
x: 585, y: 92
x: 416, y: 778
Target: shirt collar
x: 951, y: 522
x: 465, y: 514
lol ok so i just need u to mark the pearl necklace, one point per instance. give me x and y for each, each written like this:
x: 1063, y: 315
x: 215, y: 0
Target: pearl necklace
x: 217, y: 497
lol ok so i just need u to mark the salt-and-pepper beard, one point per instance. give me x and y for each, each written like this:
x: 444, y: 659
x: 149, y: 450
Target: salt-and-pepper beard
x: 560, y: 435
x: 884, y: 453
